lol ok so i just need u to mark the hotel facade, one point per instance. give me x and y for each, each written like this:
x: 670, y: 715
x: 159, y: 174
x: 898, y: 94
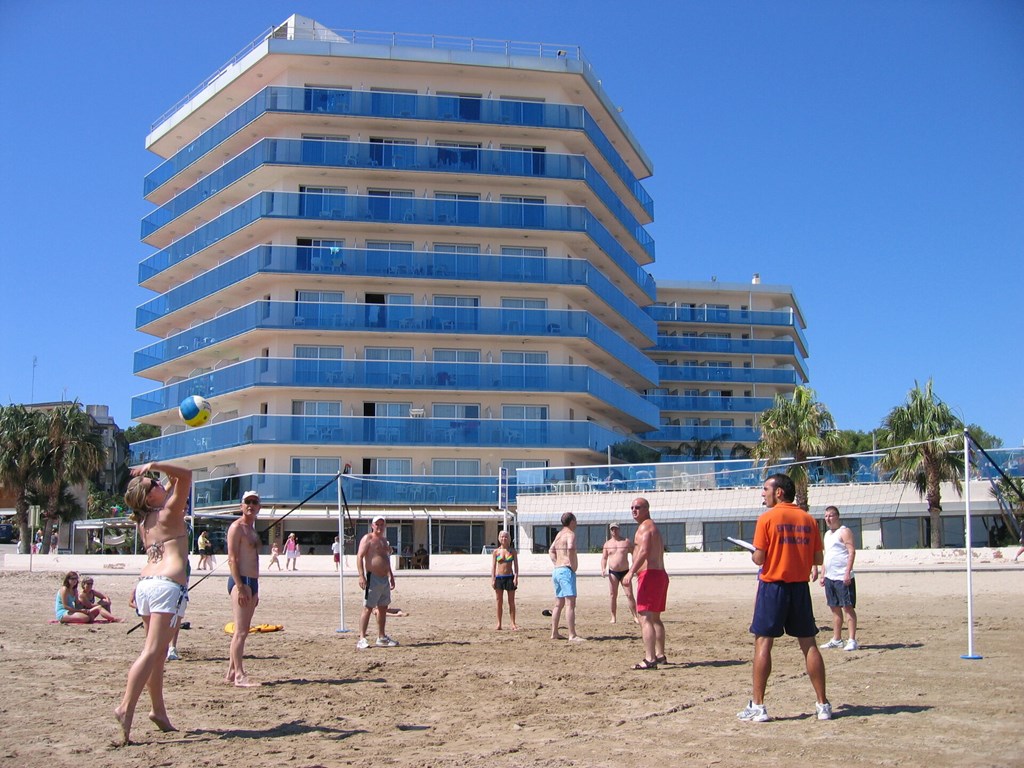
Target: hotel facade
x: 421, y: 261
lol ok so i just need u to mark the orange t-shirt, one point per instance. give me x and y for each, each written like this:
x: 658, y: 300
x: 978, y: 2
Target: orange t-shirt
x: 789, y: 537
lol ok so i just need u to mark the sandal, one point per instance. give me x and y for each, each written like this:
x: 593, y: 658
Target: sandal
x: 661, y: 660
x: 645, y: 664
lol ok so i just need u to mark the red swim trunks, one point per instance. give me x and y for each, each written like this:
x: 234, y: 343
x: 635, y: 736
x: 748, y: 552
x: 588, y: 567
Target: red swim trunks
x: 651, y: 590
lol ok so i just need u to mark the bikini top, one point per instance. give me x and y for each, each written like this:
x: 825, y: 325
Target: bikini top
x: 506, y: 558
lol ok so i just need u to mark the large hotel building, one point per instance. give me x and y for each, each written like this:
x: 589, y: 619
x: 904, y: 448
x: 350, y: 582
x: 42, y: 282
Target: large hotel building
x: 422, y: 260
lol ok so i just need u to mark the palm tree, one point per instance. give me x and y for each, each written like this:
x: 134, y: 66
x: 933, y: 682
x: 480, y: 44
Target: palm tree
x: 699, y: 449
x: 73, y: 452
x: 797, y: 428
x: 21, y: 433
x: 918, y: 452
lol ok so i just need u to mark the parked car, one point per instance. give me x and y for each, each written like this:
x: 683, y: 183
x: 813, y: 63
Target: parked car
x: 7, y: 533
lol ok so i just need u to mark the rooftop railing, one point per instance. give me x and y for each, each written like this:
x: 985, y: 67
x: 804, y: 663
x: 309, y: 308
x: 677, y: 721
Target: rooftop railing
x: 715, y: 316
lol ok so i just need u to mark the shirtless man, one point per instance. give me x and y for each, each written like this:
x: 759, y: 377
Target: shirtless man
x: 651, y: 584
x: 563, y: 554
x: 243, y: 584
x: 376, y: 579
x: 614, y: 564
x: 161, y: 594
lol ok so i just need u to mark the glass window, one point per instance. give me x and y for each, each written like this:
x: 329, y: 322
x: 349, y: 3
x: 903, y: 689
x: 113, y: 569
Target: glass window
x: 515, y: 357
x: 460, y: 538
x: 320, y: 353
x: 456, y: 301
x: 334, y: 297
x: 531, y: 412
x: 315, y: 465
x: 455, y: 411
x: 316, y: 408
x: 715, y: 534
x: 388, y: 353
x: 903, y: 533
x: 387, y: 466
x: 458, y: 467
x: 517, y: 303
x: 456, y: 355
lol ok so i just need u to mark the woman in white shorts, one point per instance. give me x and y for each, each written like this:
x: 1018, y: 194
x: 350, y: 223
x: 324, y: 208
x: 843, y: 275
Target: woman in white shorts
x: 161, y: 594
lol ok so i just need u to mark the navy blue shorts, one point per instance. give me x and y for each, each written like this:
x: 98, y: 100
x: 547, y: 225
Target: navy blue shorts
x: 839, y: 595
x: 250, y: 581
x: 783, y: 606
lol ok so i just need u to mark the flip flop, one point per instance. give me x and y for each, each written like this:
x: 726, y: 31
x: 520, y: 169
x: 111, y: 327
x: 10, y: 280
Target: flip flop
x: 645, y: 664
x: 660, y: 660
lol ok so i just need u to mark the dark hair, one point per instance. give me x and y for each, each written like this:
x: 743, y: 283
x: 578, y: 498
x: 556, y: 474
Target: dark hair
x: 786, y: 484
x: 832, y: 508
x: 567, y: 518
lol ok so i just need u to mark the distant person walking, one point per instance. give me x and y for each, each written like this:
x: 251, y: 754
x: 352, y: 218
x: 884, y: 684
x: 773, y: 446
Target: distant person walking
x: 838, y: 580
x: 291, y: 553
x: 336, y: 553
x: 786, y: 546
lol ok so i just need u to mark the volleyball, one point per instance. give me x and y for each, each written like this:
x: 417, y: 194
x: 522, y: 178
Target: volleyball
x: 195, y: 410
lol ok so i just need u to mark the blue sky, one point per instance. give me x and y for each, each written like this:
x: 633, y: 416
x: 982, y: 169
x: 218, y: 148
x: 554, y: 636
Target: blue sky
x: 870, y: 155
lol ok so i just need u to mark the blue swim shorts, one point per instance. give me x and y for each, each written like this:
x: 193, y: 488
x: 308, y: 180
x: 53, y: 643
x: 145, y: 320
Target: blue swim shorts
x: 564, y: 579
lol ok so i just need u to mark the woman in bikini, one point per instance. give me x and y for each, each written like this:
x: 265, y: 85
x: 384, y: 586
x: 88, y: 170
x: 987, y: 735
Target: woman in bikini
x: 161, y: 594
x: 505, y: 575
x: 69, y: 608
x: 91, y: 598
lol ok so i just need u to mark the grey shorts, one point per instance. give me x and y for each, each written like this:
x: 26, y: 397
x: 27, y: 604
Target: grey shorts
x: 378, y: 591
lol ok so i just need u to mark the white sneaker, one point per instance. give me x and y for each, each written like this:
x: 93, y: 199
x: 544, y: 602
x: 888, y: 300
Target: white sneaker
x: 824, y: 711
x: 754, y: 713
x: 851, y: 645
x: 386, y: 642
x: 833, y: 643
x: 172, y: 654
x: 363, y: 644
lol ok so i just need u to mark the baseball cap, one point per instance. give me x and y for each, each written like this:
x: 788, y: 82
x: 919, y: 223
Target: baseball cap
x: 375, y: 519
x: 612, y: 525
x: 249, y: 495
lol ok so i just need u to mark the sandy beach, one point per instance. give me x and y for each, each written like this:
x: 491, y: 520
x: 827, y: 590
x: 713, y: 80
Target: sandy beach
x: 458, y: 693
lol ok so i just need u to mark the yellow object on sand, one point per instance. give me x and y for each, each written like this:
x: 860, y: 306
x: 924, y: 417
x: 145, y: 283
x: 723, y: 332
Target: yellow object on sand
x: 229, y: 628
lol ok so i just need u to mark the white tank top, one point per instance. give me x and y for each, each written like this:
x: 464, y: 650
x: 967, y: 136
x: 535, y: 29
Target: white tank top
x: 836, y: 556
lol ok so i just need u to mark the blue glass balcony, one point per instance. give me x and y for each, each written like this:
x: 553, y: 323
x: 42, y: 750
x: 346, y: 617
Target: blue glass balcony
x: 402, y: 318
x: 681, y: 434
x: 403, y: 375
x: 417, y: 212
x: 397, y: 490
x: 708, y: 374
x: 713, y: 316
x: 401, y: 265
x: 687, y: 403
x: 402, y: 106
x: 455, y: 160
x: 370, y: 431
x: 778, y: 347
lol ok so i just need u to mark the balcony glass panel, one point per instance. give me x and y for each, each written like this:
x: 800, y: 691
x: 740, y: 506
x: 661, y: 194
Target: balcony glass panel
x: 700, y: 373
x: 408, y: 318
x: 400, y: 106
x: 673, y: 403
x: 509, y: 434
x: 406, y: 375
x: 715, y: 316
x: 415, y: 211
x: 343, y: 154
